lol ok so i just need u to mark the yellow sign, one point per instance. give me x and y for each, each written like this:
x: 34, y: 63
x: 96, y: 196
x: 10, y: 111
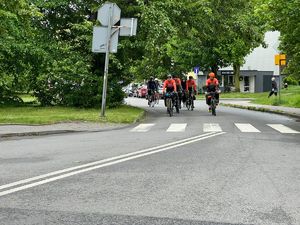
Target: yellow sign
x: 280, y: 59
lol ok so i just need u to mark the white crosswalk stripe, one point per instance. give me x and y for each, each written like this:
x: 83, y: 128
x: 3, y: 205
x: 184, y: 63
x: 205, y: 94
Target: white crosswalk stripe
x: 211, y: 127
x: 214, y: 127
x: 283, y: 129
x: 246, y: 127
x: 144, y: 127
x: 177, y: 127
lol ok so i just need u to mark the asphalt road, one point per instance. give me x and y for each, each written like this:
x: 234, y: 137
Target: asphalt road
x: 193, y: 168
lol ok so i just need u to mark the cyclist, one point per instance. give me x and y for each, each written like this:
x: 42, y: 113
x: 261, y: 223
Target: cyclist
x: 191, y: 89
x: 151, y: 86
x: 179, y: 90
x: 212, y: 85
x: 183, y: 84
x: 157, y: 92
x: 169, y: 86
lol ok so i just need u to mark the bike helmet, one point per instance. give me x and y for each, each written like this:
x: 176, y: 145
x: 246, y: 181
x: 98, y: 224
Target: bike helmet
x: 191, y: 77
x: 211, y: 75
x: 169, y: 76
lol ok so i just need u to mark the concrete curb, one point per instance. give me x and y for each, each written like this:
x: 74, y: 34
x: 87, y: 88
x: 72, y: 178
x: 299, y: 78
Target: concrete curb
x: 261, y: 109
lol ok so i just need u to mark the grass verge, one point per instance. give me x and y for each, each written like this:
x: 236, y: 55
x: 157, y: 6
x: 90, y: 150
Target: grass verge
x: 50, y: 115
x: 289, y: 97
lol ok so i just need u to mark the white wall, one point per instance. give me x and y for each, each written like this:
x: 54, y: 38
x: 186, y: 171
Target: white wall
x: 262, y: 59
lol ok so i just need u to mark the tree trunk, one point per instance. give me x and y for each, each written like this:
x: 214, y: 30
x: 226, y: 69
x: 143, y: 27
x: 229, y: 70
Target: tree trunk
x: 237, y: 73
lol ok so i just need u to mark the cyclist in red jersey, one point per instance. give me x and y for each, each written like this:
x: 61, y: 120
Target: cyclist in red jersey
x: 191, y: 88
x: 191, y: 84
x: 179, y: 90
x: 212, y: 85
x: 169, y: 86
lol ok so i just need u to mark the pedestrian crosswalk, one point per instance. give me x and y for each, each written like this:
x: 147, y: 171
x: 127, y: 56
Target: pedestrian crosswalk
x: 246, y: 127
x: 215, y: 127
x: 177, y: 127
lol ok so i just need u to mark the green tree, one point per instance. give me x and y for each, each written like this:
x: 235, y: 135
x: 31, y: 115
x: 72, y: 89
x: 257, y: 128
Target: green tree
x: 284, y: 16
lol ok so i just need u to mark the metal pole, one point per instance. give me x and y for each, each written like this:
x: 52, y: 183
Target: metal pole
x: 279, y: 82
x: 106, y: 63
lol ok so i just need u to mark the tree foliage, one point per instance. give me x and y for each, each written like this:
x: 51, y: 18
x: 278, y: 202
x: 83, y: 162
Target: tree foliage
x: 285, y: 17
x: 45, y: 45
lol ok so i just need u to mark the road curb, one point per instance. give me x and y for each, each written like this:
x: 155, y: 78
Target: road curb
x: 261, y: 109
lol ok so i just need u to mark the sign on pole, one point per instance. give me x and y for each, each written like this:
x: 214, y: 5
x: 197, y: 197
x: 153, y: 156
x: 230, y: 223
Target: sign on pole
x: 196, y: 70
x: 100, y: 40
x: 103, y: 13
x: 128, y: 26
x: 105, y: 38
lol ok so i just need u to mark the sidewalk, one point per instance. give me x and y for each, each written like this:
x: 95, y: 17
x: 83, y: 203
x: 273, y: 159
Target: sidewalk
x: 246, y: 104
x: 7, y: 131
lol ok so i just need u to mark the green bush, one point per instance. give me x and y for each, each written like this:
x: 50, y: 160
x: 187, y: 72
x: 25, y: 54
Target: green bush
x: 290, y: 80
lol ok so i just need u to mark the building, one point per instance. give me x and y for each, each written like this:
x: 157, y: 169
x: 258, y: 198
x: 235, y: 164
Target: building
x: 257, y: 71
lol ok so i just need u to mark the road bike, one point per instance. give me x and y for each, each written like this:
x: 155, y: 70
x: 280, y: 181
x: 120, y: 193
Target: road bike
x: 169, y: 103
x: 213, y: 102
x: 151, y: 99
x: 190, y: 101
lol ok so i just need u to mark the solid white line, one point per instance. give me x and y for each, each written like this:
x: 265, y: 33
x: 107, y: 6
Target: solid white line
x: 283, y: 129
x: 97, y: 162
x: 177, y: 127
x: 106, y: 164
x: 247, y: 127
x: 211, y: 127
x: 144, y: 127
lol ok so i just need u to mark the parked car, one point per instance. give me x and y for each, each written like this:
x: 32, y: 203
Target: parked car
x: 142, y: 91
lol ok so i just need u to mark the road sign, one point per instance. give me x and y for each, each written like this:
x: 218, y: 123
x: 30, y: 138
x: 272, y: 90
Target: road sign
x: 100, y: 40
x: 196, y: 70
x: 104, y: 13
x: 280, y: 60
x: 128, y: 26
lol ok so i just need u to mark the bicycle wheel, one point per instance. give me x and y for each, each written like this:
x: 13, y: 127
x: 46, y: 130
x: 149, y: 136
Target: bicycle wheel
x: 188, y: 103
x: 169, y: 106
x: 213, y: 107
x: 152, y: 100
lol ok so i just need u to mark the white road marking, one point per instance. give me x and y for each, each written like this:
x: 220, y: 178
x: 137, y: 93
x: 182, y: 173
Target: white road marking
x: 211, y: 127
x: 177, y: 127
x: 283, y: 129
x: 144, y: 127
x: 246, y: 127
x: 109, y: 162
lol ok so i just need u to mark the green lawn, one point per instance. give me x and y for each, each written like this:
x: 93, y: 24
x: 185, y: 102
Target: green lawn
x: 50, y: 115
x: 289, y: 98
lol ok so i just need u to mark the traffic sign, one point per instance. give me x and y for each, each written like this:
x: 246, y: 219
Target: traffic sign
x: 196, y: 70
x: 104, y: 13
x: 100, y: 40
x: 128, y: 26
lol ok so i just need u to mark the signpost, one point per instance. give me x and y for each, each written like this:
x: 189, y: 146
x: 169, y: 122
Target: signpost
x: 105, y: 38
x: 196, y: 70
x: 280, y: 60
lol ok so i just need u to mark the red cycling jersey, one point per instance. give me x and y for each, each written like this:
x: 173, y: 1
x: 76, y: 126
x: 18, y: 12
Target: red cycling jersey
x: 177, y: 81
x: 214, y: 82
x: 170, y: 84
x: 191, y: 84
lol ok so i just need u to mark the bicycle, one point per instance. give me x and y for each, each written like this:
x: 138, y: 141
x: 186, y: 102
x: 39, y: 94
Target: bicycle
x: 213, y: 102
x: 156, y: 97
x: 169, y: 103
x: 190, y: 101
x: 151, y: 99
